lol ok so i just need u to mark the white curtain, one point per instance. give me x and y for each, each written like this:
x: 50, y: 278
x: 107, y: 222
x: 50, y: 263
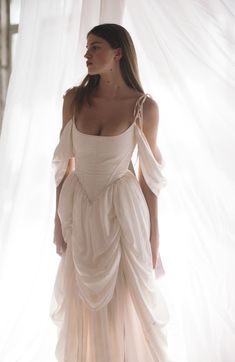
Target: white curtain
x: 186, y: 52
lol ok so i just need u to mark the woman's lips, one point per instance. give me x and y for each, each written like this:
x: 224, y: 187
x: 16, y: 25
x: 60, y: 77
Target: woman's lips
x: 88, y: 63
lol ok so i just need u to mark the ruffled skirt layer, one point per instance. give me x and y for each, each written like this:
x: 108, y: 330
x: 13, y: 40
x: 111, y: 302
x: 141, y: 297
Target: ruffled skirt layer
x: 106, y: 303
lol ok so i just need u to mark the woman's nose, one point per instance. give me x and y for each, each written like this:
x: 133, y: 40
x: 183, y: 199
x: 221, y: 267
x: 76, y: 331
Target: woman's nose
x: 86, y: 55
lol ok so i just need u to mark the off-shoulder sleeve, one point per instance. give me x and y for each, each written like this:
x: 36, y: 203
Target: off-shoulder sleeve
x: 150, y: 167
x: 63, y: 152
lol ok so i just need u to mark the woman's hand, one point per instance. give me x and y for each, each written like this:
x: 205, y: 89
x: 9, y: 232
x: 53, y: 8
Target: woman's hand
x: 58, y: 237
x: 154, y: 248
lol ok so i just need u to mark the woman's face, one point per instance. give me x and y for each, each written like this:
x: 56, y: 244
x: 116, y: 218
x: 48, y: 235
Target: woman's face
x: 100, y: 56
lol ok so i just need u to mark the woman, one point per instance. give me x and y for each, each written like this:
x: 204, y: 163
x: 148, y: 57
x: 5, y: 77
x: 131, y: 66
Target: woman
x: 105, y: 299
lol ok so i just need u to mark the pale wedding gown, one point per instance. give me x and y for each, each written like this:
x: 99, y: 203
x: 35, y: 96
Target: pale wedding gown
x: 106, y: 303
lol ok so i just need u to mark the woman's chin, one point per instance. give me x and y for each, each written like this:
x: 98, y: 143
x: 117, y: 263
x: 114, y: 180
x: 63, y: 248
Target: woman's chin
x: 91, y: 72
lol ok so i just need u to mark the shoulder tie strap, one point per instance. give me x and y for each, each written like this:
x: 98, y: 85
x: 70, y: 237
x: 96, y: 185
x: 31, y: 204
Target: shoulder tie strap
x: 138, y: 109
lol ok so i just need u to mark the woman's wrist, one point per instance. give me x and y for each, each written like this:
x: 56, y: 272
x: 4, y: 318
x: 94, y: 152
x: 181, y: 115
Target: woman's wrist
x: 154, y: 240
x: 154, y: 235
x: 56, y: 218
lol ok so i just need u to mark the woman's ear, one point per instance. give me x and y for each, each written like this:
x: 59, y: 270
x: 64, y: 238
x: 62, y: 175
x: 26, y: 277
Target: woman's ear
x: 118, y: 54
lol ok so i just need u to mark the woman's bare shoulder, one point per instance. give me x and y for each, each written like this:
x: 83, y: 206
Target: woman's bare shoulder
x: 150, y: 116
x: 70, y: 92
x: 67, y: 104
x: 150, y: 108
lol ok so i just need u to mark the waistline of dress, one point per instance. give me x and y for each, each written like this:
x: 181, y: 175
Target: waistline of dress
x: 114, y: 178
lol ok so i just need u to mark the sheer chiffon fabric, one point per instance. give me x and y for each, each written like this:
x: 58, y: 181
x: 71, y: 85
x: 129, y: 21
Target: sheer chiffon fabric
x: 185, y: 52
x: 106, y: 302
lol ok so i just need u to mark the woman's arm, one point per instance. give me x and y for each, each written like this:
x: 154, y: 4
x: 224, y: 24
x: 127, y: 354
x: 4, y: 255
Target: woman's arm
x: 67, y: 115
x: 150, y: 128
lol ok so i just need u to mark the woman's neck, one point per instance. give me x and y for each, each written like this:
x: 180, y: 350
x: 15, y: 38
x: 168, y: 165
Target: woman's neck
x: 111, y: 85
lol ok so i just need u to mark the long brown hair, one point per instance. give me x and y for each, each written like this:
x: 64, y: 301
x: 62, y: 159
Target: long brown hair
x: 118, y: 37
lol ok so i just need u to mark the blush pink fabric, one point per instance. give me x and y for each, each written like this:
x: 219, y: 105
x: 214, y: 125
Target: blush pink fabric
x: 106, y: 302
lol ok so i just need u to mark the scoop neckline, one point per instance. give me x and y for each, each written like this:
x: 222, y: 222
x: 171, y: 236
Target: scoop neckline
x: 101, y: 136
x: 115, y: 136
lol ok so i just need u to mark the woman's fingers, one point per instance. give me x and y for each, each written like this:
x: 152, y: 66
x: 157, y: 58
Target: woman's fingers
x: 154, y: 261
x: 58, y: 239
x: 61, y: 247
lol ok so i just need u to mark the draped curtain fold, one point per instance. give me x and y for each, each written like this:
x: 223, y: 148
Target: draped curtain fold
x: 186, y: 52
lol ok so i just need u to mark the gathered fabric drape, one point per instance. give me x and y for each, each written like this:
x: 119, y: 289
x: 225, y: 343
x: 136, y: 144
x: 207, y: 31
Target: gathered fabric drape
x: 186, y: 52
